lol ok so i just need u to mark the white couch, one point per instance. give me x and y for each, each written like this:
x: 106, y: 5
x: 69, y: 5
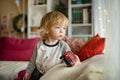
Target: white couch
x: 90, y: 69
x: 9, y: 69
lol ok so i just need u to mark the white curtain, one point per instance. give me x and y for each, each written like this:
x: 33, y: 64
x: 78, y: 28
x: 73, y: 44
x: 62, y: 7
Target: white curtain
x: 99, y: 17
x: 107, y: 24
x: 112, y: 50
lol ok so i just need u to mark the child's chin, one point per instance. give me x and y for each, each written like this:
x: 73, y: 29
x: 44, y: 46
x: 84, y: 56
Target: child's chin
x: 60, y: 38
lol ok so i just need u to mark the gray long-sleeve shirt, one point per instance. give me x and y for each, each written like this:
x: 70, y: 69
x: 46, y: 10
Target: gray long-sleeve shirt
x: 46, y: 56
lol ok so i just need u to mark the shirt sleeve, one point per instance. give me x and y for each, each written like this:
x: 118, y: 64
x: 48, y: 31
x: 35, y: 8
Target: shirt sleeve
x: 66, y: 47
x: 31, y: 65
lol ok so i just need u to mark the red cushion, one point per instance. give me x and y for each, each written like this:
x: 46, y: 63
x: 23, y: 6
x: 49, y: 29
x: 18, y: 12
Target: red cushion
x: 74, y: 43
x: 16, y: 55
x: 13, y: 43
x: 1, y: 43
x: 21, y: 74
x: 17, y: 49
x: 92, y: 47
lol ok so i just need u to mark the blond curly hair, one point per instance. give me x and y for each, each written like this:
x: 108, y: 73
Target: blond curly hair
x: 49, y: 20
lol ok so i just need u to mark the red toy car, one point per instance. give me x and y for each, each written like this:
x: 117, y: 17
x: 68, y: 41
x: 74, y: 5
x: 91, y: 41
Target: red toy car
x: 69, y: 58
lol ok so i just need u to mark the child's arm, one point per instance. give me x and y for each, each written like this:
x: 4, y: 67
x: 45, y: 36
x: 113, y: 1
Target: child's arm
x: 31, y: 66
x: 26, y: 76
x: 68, y: 49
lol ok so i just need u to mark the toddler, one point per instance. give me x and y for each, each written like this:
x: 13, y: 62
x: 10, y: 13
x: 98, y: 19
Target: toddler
x: 48, y: 51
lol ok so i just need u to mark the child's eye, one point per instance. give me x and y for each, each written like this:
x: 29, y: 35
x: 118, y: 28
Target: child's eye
x: 65, y: 28
x: 58, y: 27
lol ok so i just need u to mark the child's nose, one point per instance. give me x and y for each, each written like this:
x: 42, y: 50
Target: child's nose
x: 61, y: 30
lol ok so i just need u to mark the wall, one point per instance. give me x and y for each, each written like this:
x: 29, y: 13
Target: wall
x: 8, y: 10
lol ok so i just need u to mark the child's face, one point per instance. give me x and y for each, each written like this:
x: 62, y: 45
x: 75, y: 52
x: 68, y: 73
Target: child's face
x: 57, y: 32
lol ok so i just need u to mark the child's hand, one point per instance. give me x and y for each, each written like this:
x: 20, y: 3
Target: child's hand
x: 77, y: 61
x: 26, y: 76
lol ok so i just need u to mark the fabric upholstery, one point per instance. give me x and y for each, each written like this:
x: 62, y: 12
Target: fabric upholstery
x: 92, y: 47
x: 74, y: 43
x: 17, y: 49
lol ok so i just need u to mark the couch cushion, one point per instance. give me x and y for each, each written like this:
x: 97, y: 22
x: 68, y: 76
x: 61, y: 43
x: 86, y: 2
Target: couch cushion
x: 1, y: 43
x: 74, y: 43
x: 9, y: 69
x: 17, y: 49
x: 92, y: 47
x: 16, y: 55
x: 21, y: 74
x: 13, y: 43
